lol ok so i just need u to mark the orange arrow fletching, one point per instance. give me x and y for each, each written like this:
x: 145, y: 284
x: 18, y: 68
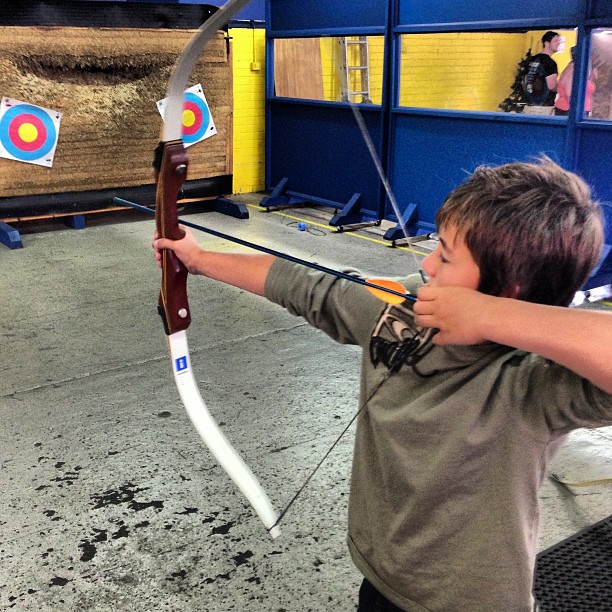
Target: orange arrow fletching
x: 385, y: 296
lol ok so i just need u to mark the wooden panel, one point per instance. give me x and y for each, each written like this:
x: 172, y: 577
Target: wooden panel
x: 297, y: 68
x: 106, y: 83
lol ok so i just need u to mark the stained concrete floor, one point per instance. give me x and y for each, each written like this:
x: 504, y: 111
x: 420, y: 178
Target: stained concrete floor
x: 109, y: 499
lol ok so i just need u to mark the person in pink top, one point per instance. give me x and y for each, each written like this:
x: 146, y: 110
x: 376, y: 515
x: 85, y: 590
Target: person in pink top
x: 564, y: 90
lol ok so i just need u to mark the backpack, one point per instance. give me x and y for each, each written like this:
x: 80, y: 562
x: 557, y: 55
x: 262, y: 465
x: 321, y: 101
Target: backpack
x: 534, y: 84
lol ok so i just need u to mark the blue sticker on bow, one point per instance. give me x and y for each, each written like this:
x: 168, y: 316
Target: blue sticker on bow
x: 181, y: 363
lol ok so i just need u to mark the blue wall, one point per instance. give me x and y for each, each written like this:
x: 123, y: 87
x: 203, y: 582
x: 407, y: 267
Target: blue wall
x: 317, y: 146
x: 427, y: 152
x: 475, y: 11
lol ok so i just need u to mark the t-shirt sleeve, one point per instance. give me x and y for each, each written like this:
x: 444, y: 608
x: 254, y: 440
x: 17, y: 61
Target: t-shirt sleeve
x: 562, y: 399
x: 344, y: 310
x: 550, y: 66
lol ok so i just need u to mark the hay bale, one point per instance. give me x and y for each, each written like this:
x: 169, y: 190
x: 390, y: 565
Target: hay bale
x: 106, y: 82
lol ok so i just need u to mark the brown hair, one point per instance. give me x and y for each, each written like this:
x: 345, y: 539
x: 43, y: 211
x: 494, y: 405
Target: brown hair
x: 548, y: 36
x: 533, y: 230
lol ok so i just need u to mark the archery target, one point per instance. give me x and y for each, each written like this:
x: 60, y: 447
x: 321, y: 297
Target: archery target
x: 28, y: 133
x: 198, y: 123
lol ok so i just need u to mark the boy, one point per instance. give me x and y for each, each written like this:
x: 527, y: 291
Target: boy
x: 452, y: 448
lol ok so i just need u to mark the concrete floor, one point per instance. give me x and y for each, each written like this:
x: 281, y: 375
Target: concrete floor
x: 109, y: 499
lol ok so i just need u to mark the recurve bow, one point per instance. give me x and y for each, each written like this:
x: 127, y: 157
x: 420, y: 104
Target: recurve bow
x: 171, y: 164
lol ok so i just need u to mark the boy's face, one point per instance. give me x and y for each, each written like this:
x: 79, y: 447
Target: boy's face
x: 451, y: 264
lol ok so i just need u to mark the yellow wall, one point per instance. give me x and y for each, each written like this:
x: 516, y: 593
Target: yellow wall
x: 331, y: 82
x: 249, y: 109
x: 460, y: 70
x: 466, y: 70
x: 377, y: 55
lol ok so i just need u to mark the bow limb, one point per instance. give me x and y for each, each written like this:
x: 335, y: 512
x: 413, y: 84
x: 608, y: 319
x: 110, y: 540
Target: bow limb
x: 171, y: 165
x: 213, y: 437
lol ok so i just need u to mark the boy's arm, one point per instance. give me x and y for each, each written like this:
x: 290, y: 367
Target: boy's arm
x: 246, y: 271
x: 344, y: 311
x: 580, y: 340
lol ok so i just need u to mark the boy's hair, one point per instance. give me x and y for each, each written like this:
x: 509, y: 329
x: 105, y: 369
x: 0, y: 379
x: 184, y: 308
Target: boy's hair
x: 533, y: 230
x: 548, y: 36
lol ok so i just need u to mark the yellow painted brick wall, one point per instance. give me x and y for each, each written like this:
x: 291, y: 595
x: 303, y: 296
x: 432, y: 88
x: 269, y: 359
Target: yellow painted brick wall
x: 377, y: 55
x: 329, y: 68
x: 466, y: 70
x: 248, y: 46
x: 458, y: 70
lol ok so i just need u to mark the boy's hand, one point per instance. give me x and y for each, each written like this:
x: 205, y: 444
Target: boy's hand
x: 247, y: 271
x: 186, y: 249
x: 456, y: 311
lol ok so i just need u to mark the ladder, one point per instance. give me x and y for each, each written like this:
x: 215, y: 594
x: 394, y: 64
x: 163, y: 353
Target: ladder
x: 354, y: 69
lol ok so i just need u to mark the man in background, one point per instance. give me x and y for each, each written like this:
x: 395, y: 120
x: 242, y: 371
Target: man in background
x: 540, y: 83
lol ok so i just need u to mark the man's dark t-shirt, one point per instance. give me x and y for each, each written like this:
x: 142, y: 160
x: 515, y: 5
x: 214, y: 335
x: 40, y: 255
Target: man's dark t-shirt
x: 534, y: 84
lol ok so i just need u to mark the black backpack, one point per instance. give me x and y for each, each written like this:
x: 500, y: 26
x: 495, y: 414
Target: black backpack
x: 534, y: 83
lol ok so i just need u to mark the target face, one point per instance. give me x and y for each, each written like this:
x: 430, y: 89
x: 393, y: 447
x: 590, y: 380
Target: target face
x: 28, y: 133
x: 198, y: 123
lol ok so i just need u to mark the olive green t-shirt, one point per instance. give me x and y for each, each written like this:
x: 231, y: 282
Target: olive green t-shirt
x: 449, y: 456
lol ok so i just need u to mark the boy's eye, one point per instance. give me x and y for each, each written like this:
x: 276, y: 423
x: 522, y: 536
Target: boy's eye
x: 443, y: 259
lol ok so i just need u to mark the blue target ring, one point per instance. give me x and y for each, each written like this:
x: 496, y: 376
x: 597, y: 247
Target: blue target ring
x: 199, y: 108
x: 9, y: 125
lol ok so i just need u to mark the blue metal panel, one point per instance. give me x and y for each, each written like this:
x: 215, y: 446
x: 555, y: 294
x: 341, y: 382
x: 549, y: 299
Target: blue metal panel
x: 601, y: 8
x: 434, y: 154
x: 324, y: 14
x: 413, y: 12
x: 255, y: 10
x: 320, y: 150
x: 593, y: 160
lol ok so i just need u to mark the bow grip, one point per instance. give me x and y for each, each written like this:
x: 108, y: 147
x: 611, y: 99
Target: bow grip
x: 173, y: 305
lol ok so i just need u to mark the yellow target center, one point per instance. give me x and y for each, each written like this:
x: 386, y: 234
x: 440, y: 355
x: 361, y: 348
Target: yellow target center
x: 188, y: 118
x: 27, y: 132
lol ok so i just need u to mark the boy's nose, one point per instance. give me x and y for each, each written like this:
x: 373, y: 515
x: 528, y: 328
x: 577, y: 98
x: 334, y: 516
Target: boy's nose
x: 428, y: 265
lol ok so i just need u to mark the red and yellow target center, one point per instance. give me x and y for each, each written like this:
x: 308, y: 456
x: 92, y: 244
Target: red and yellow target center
x: 27, y: 132
x: 189, y: 118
